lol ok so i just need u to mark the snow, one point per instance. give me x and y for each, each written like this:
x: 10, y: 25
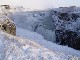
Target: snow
x: 28, y: 34
x: 33, y: 36
x: 15, y: 49
x: 29, y: 45
x: 47, y: 44
x: 37, y: 23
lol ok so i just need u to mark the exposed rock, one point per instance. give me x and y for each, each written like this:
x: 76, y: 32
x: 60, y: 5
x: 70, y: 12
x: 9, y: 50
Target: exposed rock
x: 8, y: 26
x: 67, y: 27
x: 69, y: 38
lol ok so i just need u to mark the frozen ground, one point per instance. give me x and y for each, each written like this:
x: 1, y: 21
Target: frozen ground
x: 16, y: 48
x: 40, y: 40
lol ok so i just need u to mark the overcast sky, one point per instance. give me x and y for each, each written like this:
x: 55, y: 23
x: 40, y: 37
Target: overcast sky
x: 42, y: 4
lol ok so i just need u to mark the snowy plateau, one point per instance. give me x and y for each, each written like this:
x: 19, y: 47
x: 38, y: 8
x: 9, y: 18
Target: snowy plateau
x: 35, y: 34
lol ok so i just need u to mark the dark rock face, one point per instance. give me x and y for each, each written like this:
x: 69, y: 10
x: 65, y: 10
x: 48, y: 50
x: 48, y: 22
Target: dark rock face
x: 75, y: 16
x: 64, y: 16
x: 68, y: 16
x: 69, y: 38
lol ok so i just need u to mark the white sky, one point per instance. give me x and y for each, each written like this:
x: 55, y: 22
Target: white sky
x: 42, y: 4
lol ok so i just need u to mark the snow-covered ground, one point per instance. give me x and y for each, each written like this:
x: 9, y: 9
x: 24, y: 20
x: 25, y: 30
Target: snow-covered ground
x: 16, y: 48
x: 47, y: 44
